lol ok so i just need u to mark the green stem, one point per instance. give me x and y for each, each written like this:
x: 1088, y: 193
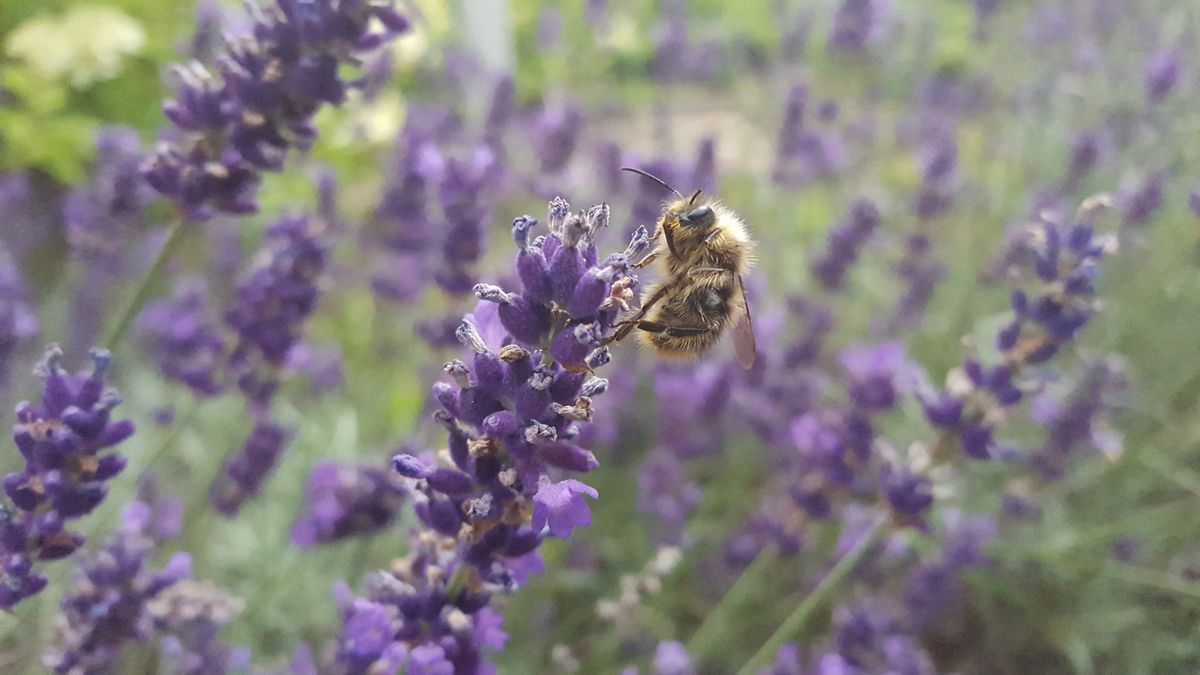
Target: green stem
x: 170, y: 246
x: 1153, y: 578
x: 703, y: 640
x: 791, y: 627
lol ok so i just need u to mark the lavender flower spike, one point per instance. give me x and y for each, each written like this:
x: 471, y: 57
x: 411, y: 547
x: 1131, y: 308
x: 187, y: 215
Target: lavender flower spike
x: 63, y: 440
x: 1065, y: 261
x: 511, y: 410
x: 269, y: 84
x: 274, y: 301
x: 107, y: 607
x: 183, y: 334
x: 844, y: 244
x: 245, y: 472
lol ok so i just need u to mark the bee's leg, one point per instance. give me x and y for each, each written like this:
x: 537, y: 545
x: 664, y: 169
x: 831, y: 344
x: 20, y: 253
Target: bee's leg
x: 671, y: 331
x: 670, y: 240
x: 645, y: 261
x: 623, y: 327
x: 697, y: 271
x: 712, y: 235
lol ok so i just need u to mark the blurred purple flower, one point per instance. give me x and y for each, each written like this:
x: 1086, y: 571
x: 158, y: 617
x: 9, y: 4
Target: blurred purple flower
x: 671, y: 658
x: 320, y: 364
x: 243, y: 474
x: 270, y: 83
x: 938, y: 159
x: 666, y: 494
x: 107, y: 606
x: 346, y: 501
x: 845, y: 242
x: 465, y: 200
x: 704, y: 173
x: 184, y: 336
x: 555, y: 136
x: 1066, y: 259
x: 803, y: 153
x: 102, y: 215
x: 1162, y: 73
x: 1142, y: 201
x: 920, y: 273
x: 274, y: 300
x: 857, y: 24
x: 879, y: 374
x: 18, y: 319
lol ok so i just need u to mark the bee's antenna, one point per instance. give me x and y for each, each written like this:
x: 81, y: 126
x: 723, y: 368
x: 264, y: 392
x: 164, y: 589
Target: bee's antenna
x: 652, y: 177
x: 693, y: 199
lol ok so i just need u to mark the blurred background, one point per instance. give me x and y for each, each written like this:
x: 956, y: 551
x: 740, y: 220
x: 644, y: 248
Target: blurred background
x: 887, y: 155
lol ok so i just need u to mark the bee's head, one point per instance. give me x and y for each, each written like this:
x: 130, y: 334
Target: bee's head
x: 693, y: 214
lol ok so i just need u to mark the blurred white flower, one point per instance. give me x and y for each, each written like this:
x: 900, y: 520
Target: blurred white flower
x: 85, y: 44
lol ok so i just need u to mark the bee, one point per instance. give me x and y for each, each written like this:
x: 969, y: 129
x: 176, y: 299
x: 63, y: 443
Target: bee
x: 702, y: 249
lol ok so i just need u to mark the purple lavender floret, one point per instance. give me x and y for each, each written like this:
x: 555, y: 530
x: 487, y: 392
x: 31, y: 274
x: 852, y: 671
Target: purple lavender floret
x: 108, y: 605
x: 844, y: 244
x: 269, y: 83
x: 63, y: 440
x: 274, y: 300
x: 347, y: 501
x: 243, y: 474
x: 183, y: 334
x: 18, y: 319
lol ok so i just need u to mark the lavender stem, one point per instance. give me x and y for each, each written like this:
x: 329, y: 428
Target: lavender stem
x: 792, y: 625
x: 703, y: 640
x: 170, y: 246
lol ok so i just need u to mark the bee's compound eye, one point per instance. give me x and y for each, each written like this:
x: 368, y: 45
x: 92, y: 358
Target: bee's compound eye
x: 699, y: 214
x: 711, y: 300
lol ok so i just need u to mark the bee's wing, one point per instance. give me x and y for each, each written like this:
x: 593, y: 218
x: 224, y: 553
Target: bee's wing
x: 743, y: 330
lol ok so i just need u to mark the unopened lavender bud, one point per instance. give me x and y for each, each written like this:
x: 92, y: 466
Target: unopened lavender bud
x: 520, y: 230
x: 537, y: 433
x: 470, y: 338
x: 568, y: 456
x: 493, y: 293
x: 594, y: 387
x: 598, y: 358
x: 409, y: 466
x: 459, y: 371
x: 558, y: 211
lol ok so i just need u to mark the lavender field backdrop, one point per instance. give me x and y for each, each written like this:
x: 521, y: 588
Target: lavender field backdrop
x: 304, y: 320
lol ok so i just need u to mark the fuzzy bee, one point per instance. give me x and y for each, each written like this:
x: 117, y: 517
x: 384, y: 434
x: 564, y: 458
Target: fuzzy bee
x: 702, y: 250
